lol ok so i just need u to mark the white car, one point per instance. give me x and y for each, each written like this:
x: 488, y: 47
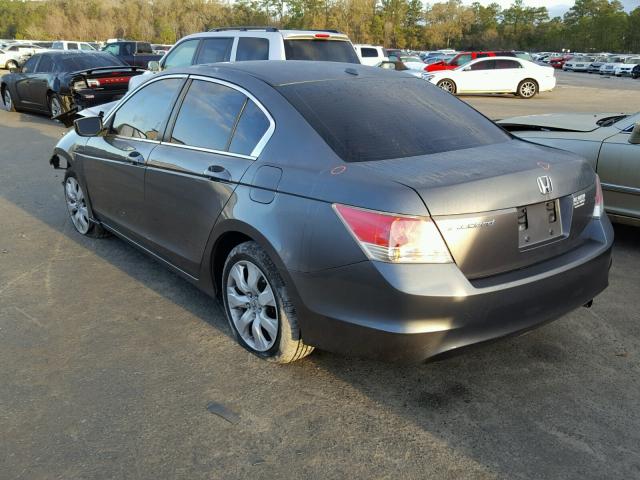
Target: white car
x: 67, y: 45
x: 609, y: 68
x: 579, y: 63
x: 12, y: 56
x: 625, y: 69
x: 496, y: 75
x: 371, y: 55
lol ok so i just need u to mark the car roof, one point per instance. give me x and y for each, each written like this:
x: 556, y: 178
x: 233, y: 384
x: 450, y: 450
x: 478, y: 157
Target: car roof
x: 71, y: 53
x: 285, y: 72
x: 262, y: 31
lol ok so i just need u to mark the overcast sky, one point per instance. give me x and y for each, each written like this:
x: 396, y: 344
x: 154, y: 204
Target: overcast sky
x: 556, y: 7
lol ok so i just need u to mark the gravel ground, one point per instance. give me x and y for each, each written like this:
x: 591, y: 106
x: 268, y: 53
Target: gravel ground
x: 111, y: 365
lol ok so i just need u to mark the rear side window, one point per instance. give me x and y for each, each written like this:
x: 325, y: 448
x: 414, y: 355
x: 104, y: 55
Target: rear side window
x: 215, y: 50
x: 252, y: 126
x: 207, y: 116
x: 322, y: 50
x: 72, y: 46
x: 250, y: 48
x: 182, y: 55
x: 503, y: 64
x: 368, y: 52
x: 144, y: 114
x: 409, y: 117
x: 484, y: 65
x: 57, y: 45
x: 45, y: 65
x: 144, y: 48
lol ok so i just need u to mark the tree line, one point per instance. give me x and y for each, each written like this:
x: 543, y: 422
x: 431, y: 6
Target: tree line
x: 589, y: 26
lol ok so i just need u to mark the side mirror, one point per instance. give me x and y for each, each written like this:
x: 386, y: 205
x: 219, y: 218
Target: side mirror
x: 153, y: 66
x: 88, y: 126
x: 634, y: 138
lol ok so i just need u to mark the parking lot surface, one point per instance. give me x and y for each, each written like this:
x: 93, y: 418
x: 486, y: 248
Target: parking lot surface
x: 111, y: 366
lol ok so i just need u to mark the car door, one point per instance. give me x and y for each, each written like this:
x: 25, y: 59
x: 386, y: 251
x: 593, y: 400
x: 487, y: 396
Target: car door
x: 476, y: 77
x: 113, y: 164
x: 213, y: 137
x: 619, y: 170
x: 507, y: 75
x: 39, y: 84
x: 23, y: 83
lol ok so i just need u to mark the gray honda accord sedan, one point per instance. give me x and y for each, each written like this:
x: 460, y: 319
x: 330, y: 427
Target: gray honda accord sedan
x: 340, y: 206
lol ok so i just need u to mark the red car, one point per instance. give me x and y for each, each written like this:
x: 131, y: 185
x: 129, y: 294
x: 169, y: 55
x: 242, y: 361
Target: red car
x: 464, y: 57
x: 558, y: 62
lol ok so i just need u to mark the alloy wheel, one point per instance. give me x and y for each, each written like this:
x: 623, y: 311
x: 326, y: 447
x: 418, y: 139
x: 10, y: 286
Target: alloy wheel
x: 252, y: 306
x: 447, y: 86
x: 77, y: 205
x: 55, y: 107
x: 527, y: 89
x: 11, y: 64
x: 8, y: 101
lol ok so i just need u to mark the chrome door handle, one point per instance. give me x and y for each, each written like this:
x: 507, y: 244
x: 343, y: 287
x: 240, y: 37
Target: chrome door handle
x: 218, y: 173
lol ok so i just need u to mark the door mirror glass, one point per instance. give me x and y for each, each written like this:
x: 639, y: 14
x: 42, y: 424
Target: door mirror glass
x: 88, y: 126
x: 634, y: 138
x: 153, y: 66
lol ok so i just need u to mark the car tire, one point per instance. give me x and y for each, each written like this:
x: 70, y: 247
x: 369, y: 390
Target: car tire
x: 11, y: 64
x: 447, y: 85
x: 7, y: 100
x: 54, y: 103
x: 527, y: 88
x: 258, y: 308
x: 75, y: 199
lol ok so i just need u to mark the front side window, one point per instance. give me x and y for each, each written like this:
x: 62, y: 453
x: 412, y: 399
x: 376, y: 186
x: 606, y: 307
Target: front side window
x: 86, y: 46
x: 215, y: 50
x: 57, y: 45
x: 45, y: 65
x: 207, y: 116
x: 321, y: 50
x: 182, y: 55
x: 252, y: 126
x: 144, y: 114
x: 72, y: 46
x: 251, y: 48
x: 144, y: 48
x: 30, y: 65
x: 113, y: 49
x: 484, y: 65
x: 368, y: 52
x: 461, y: 60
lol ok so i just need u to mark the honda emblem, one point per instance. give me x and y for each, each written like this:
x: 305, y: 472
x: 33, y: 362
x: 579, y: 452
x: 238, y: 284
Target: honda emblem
x: 545, y: 185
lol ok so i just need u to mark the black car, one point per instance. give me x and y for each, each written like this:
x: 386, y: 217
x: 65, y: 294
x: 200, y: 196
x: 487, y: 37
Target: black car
x: 398, y: 228
x: 65, y: 81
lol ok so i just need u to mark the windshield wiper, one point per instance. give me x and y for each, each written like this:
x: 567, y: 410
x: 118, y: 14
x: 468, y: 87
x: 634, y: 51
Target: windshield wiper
x: 608, y: 121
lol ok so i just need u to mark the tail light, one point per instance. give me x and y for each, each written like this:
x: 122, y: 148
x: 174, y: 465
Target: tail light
x: 599, y: 206
x: 395, y: 238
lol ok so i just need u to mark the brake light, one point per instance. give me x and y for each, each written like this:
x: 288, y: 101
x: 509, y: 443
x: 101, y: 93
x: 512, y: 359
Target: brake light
x: 322, y: 35
x: 395, y: 238
x: 598, y: 208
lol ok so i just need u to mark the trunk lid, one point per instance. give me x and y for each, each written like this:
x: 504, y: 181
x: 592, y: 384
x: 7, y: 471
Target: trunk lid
x: 480, y: 198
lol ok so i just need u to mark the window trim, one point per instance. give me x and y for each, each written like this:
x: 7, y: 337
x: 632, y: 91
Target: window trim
x: 108, y: 121
x: 259, y: 147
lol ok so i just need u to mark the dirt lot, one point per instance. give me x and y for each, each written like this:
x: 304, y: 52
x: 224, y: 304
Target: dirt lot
x: 108, y: 363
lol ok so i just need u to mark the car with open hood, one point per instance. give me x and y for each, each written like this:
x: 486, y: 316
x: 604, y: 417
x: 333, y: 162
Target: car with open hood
x: 609, y: 141
x: 400, y: 228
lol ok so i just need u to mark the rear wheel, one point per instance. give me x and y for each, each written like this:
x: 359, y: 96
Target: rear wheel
x: 258, y: 308
x: 528, y: 88
x: 447, y: 85
x: 55, y: 105
x: 11, y: 64
x: 8, y: 100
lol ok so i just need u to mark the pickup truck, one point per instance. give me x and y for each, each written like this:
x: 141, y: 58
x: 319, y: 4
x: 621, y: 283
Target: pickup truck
x: 136, y: 54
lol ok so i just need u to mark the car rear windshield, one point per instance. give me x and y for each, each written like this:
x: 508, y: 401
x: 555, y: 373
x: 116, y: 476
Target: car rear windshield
x: 322, y: 50
x: 377, y: 118
x: 85, y: 61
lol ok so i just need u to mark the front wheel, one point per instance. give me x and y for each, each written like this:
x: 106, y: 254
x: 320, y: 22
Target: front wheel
x: 258, y: 307
x: 447, y: 85
x: 527, y: 89
x: 78, y: 210
x: 8, y: 100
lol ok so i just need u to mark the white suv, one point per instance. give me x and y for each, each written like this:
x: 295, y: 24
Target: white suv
x: 235, y: 44
x: 67, y: 45
x: 371, y: 54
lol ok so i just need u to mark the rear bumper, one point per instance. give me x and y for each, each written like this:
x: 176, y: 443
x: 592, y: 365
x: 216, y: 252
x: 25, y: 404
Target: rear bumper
x: 90, y: 98
x: 413, y: 312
